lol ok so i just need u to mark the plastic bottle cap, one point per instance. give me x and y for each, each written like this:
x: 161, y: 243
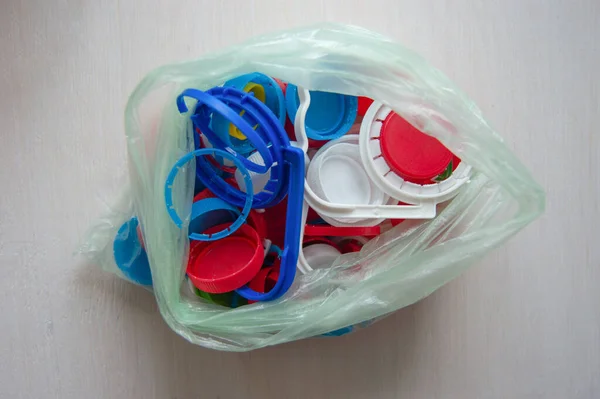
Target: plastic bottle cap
x: 320, y: 256
x: 130, y: 256
x: 343, y: 180
x: 336, y: 175
x: 410, y: 153
x: 402, y: 161
x: 329, y: 116
x: 225, y: 265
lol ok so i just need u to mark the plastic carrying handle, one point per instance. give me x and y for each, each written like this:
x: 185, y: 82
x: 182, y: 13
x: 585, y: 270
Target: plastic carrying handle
x: 294, y: 160
x: 221, y: 108
x: 268, y: 129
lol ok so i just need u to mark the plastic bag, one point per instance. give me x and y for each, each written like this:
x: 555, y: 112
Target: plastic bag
x: 393, y: 270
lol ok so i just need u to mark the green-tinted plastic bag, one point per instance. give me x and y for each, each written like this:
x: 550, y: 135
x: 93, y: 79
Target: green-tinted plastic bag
x: 393, y: 270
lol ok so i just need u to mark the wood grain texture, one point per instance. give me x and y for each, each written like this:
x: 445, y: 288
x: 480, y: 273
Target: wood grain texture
x: 523, y: 323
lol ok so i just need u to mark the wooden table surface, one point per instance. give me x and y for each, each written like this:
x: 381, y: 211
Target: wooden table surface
x: 522, y: 323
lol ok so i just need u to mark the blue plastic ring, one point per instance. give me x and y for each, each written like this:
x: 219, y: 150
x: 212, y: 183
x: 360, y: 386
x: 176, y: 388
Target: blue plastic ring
x: 209, y: 183
x: 206, y: 100
x: 208, y: 205
x: 274, y: 135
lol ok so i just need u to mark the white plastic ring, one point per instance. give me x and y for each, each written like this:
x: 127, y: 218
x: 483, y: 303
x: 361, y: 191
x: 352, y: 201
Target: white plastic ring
x: 391, y: 183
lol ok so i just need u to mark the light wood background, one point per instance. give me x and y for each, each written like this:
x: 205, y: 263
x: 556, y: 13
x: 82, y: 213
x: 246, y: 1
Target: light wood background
x: 523, y: 323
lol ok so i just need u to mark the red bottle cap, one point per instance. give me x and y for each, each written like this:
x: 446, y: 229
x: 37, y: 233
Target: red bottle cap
x: 410, y: 153
x: 227, y: 264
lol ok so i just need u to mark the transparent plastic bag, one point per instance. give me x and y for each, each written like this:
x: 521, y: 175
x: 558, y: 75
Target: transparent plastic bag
x: 393, y: 270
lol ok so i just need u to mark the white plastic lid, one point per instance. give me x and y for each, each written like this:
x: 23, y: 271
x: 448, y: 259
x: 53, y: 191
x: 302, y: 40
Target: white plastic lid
x: 336, y: 174
x: 383, y: 175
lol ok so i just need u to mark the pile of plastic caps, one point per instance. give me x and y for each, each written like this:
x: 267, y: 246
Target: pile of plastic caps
x: 288, y: 180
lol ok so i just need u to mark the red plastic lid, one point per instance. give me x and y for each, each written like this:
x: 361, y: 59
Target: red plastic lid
x: 410, y: 153
x: 224, y: 265
x: 331, y: 231
x: 363, y: 105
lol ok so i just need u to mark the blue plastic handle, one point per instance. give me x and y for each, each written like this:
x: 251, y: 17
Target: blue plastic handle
x: 294, y: 159
x: 269, y: 130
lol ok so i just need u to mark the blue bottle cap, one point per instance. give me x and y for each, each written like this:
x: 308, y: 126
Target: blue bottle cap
x: 129, y: 255
x: 329, y: 116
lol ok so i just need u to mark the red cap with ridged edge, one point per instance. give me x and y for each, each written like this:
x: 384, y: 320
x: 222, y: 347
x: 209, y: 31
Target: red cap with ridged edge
x: 410, y: 153
x: 224, y: 265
